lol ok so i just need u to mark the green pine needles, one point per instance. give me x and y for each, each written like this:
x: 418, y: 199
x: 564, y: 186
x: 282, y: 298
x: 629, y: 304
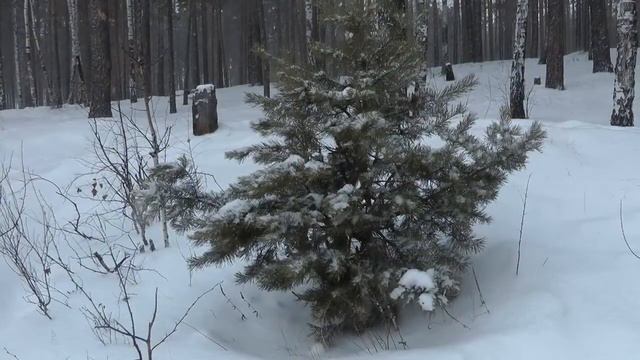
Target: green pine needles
x: 371, y: 183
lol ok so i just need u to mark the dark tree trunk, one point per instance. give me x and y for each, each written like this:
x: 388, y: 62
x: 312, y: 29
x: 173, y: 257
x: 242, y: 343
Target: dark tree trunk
x: 146, y: 48
x: 161, y: 53
x: 544, y: 30
x: 624, y: 85
x: 187, y: 63
x: 600, y: 37
x: 534, y: 28
x: 456, y: 31
x: 171, y: 59
x: 204, y: 39
x: 100, y: 59
x: 3, y: 97
x: 195, y: 49
x: 555, y: 45
x: 266, y: 68
x: 472, y: 33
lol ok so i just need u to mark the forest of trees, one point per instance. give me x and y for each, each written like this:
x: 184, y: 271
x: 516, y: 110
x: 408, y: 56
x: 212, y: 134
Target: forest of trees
x: 61, y: 51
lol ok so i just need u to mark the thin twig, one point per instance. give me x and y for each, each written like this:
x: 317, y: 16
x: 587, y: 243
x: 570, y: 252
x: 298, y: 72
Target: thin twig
x: 11, y: 354
x: 524, y: 210
x: 454, y: 318
x: 624, y: 236
x: 205, y: 335
x: 475, y: 278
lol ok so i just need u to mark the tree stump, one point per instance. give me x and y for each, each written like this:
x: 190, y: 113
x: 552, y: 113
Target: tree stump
x: 448, y: 72
x: 205, y: 110
x: 537, y: 81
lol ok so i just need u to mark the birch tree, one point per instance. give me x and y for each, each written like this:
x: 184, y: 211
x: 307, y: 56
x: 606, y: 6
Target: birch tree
x: 132, y: 49
x: 77, y: 88
x: 28, y: 25
x: 48, y: 94
x: 624, y: 83
x: 153, y: 140
x: 517, y: 67
x: 18, y: 64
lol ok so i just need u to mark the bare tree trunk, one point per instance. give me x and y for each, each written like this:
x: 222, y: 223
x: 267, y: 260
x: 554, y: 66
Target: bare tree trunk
x: 517, y: 68
x: 133, y: 51
x: 532, y: 45
x: 456, y: 31
x: 28, y: 26
x: 171, y: 53
x: 100, y: 60
x: 187, y: 62
x: 57, y: 85
x: 204, y: 40
x: 48, y: 95
x: 446, y: 57
x: 146, y: 48
x: 266, y: 67
x: 195, y: 49
x: 77, y: 88
x: 600, y: 37
x: 17, y: 58
x: 3, y: 97
x: 555, y: 45
x: 472, y: 30
x: 161, y: 53
x: 146, y: 75
x: 624, y: 85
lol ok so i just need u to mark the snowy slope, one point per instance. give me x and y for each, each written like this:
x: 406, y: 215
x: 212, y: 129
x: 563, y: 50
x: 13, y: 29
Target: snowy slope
x: 576, y: 296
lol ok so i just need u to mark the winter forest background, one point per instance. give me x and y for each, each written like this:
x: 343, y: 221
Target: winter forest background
x: 319, y: 179
x: 213, y: 41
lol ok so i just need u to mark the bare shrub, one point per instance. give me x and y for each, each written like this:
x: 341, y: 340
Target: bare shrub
x: 107, y: 323
x: 122, y: 154
x: 26, y: 239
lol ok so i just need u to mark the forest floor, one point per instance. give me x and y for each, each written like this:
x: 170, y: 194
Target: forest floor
x: 576, y: 295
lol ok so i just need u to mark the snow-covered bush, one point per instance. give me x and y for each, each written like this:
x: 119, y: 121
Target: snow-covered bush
x: 369, y: 192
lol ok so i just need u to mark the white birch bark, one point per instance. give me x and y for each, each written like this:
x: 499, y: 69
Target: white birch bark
x: 48, y: 95
x: 28, y: 53
x: 517, y: 91
x: 76, y: 87
x: 131, y: 43
x: 308, y: 14
x: 422, y: 32
x: 624, y: 83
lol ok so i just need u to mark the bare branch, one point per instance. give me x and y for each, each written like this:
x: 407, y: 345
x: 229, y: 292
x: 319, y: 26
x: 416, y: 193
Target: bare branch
x: 624, y: 236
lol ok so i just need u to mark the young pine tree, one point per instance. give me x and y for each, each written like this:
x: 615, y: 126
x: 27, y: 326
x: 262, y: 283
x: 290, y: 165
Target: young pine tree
x: 370, y: 186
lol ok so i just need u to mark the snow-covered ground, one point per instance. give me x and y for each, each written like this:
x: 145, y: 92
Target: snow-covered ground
x: 576, y: 296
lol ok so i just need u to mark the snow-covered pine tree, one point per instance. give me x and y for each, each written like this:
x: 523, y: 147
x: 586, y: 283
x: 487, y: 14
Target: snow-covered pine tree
x: 517, y: 94
x: 624, y: 84
x: 370, y: 186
